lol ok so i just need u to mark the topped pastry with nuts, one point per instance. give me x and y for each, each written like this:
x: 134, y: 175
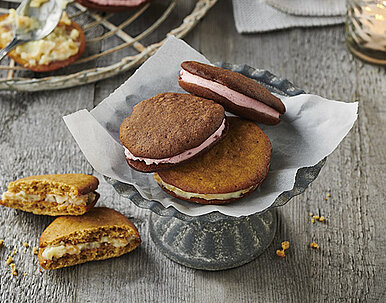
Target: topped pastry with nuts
x: 60, y: 48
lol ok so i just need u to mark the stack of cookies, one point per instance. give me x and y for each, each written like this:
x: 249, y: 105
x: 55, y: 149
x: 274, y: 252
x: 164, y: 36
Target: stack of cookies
x: 82, y: 233
x: 196, y: 152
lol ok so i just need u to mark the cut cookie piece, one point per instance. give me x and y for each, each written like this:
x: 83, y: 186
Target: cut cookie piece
x: 169, y: 129
x: 231, y: 170
x: 100, y: 234
x: 238, y: 94
x: 60, y: 48
x: 53, y: 195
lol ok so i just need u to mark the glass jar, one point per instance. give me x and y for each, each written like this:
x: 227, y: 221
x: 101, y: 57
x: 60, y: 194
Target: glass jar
x: 366, y: 29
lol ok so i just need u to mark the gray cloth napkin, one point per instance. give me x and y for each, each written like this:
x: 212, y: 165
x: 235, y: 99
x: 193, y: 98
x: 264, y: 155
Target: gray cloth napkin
x: 253, y: 16
x: 310, y: 7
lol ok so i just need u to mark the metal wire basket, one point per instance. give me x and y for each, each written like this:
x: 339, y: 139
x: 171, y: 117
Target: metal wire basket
x: 125, y: 50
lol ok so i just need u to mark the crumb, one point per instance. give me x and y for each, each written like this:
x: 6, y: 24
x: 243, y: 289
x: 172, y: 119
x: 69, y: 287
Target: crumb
x: 325, y: 199
x: 328, y: 195
x: 14, y: 269
x: 280, y: 253
x: 311, y: 214
x: 316, y: 217
x: 13, y: 253
x: 40, y: 270
x: 25, y: 244
x: 24, y: 274
x: 1, y: 243
x: 285, y: 245
x: 322, y: 219
x: 35, y: 250
x: 313, y: 220
x: 314, y: 245
x: 9, y: 260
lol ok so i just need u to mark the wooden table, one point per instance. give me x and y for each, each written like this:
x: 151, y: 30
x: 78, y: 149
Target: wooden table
x: 350, y: 264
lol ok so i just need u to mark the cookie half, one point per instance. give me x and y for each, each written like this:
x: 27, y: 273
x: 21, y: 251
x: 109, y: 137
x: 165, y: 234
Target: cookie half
x: 52, y: 195
x: 100, y: 234
x: 169, y: 129
x: 60, y: 48
x: 238, y: 94
x: 229, y: 171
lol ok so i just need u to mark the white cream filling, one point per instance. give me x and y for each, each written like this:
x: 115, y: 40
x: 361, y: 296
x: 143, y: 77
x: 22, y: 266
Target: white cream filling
x: 22, y: 196
x: 58, y: 251
x: 188, y: 195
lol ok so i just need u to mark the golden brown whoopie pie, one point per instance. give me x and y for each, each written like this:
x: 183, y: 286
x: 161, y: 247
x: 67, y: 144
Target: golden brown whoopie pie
x: 237, y: 93
x: 52, y: 195
x: 169, y: 129
x: 229, y: 171
x: 59, y: 49
x: 99, y: 234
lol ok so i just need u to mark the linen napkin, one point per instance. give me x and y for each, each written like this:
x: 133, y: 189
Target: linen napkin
x: 254, y: 16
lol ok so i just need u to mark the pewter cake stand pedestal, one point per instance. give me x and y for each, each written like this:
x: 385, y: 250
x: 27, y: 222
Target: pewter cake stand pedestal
x: 216, y: 241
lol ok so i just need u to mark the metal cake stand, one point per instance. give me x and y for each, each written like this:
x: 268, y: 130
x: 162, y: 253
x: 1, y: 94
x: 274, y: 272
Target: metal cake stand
x: 216, y: 241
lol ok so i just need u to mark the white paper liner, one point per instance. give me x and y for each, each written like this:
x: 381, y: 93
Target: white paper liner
x: 310, y: 130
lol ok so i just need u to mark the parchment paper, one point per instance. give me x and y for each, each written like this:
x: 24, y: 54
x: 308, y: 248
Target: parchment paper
x: 310, y: 130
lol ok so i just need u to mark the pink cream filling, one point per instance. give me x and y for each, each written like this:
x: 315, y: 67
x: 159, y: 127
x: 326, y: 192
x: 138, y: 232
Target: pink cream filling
x: 118, y: 2
x: 182, y: 156
x: 232, y: 95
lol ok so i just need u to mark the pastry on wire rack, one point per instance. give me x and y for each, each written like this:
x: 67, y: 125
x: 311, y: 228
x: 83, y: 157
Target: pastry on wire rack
x: 60, y: 48
x: 112, y: 5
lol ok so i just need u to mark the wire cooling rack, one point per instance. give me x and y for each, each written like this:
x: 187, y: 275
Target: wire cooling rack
x: 116, y: 42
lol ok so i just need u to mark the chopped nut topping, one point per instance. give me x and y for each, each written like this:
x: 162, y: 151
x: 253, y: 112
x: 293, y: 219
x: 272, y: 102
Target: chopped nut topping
x: 25, y: 244
x: 9, y: 260
x: 285, y: 245
x: 14, y: 269
x: 35, y: 250
x: 314, y: 245
x: 280, y: 253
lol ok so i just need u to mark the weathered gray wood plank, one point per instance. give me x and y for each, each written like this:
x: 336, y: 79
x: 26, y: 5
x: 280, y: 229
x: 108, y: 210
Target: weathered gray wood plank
x: 350, y: 265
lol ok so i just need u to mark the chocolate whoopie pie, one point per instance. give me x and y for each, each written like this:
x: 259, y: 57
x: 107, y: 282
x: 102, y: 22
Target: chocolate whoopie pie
x: 238, y: 94
x: 232, y: 169
x: 112, y: 5
x: 169, y: 129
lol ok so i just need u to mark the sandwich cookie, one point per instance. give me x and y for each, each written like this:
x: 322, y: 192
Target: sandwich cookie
x: 169, y: 129
x: 100, y: 234
x: 112, y: 5
x: 229, y: 171
x: 238, y: 94
x: 52, y: 195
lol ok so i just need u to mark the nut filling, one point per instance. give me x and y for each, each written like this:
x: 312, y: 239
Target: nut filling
x: 58, y: 251
x: 52, y: 198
